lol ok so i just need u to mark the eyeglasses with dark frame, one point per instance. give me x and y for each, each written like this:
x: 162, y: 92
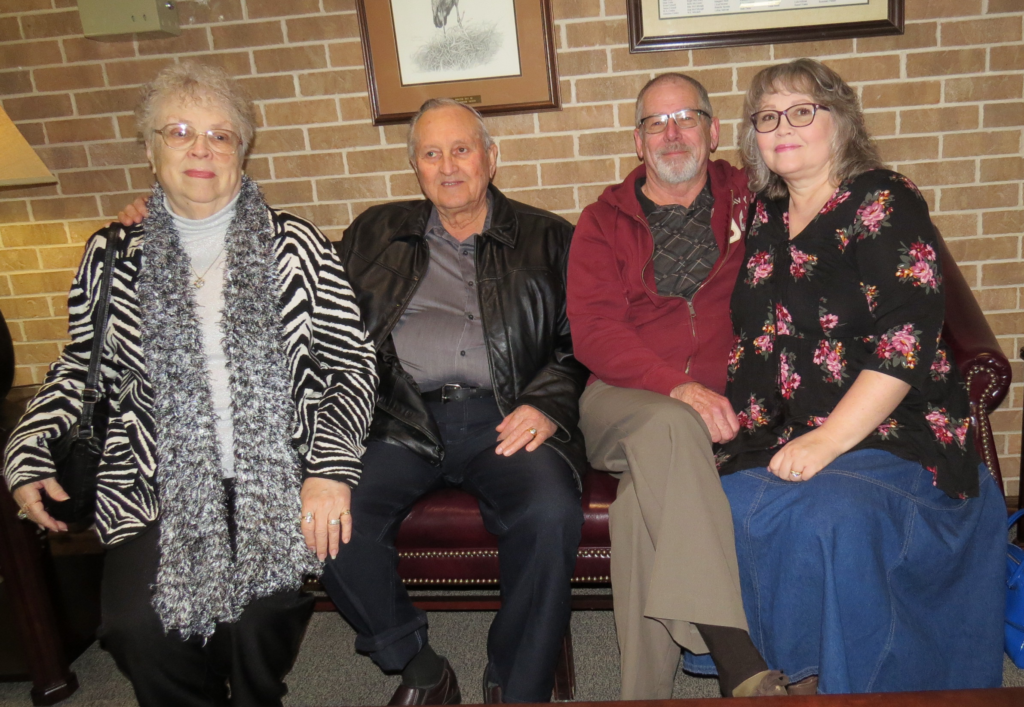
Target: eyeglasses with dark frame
x: 685, y: 119
x: 181, y: 136
x: 802, y: 115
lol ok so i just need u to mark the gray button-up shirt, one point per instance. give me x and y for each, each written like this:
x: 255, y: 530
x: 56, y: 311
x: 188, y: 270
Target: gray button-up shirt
x: 440, y: 337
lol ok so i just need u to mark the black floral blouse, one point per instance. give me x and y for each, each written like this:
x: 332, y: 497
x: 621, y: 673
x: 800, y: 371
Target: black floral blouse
x: 859, y: 289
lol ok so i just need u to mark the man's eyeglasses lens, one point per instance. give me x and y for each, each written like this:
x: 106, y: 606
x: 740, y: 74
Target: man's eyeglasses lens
x: 799, y: 116
x: 182, y: 136
x: 685, y: 119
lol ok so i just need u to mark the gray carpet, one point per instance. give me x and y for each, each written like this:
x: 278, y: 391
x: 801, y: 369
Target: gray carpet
x: 329, y: 672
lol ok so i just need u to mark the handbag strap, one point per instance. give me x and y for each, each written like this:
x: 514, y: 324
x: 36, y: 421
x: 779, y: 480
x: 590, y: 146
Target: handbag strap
x: 1014, y: 518
x: 91, y: 393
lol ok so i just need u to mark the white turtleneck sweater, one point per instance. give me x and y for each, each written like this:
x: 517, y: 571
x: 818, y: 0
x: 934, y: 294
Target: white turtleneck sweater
x: 203, y: 241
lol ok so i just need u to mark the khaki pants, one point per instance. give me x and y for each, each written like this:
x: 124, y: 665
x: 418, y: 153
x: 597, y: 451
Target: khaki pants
x: 673, y: 558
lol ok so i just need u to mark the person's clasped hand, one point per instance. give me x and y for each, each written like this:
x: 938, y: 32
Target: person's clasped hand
x: 714, y: 409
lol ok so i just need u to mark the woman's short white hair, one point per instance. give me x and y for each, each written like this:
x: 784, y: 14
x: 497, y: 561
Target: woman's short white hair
x: 200, y: 84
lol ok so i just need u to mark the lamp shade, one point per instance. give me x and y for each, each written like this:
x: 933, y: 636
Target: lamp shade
x: 19, y: 164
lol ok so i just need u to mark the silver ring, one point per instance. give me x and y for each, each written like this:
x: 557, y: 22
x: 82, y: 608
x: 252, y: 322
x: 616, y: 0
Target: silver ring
x: 796, y: 474
x: 334, y: 521
x: 308, y: 517
x: 22, y: 514
x: 533, y: 431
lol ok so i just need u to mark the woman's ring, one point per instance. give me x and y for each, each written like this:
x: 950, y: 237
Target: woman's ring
x: 22, y: 514
x: 334, y: 521
x: 346, y: 512
x: 533, y: 431
x: 796, y: 474
x: 308, y: 517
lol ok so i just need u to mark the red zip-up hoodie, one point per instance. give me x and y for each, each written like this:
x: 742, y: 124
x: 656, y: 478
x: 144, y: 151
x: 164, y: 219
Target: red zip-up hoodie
x: 626, y: 333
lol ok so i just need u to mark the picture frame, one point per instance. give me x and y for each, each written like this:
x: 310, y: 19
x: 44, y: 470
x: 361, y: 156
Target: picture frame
x: 495, y: 55
x: 665, y: 25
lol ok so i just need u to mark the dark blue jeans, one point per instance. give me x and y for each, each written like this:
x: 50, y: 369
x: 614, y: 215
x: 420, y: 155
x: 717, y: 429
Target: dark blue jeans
x: 528, y: 500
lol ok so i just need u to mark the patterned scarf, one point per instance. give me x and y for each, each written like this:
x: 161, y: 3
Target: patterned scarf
x: 200, y: 581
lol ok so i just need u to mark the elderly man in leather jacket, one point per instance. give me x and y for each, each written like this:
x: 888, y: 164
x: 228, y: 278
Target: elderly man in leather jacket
x: 463, y: 295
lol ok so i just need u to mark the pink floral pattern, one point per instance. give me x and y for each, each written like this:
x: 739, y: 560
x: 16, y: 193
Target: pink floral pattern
x: 871, y: 244
x: 783, y: 321
x: 760, y: 214
x: 789, y: 379
x: 946, y: 428
x: 754, y: 415
x: 802, y: 264
x: 735, y: 355
x: 900, y: 346
x: 760, y: 267
x: 827, y: 321
x: 888, y: 429
x: 918, y: 266
x: 841, y: 195
x: 783, y: 437
x: 765, y: 344
x: 844, y: 236
x: 873, y: 215
x: 938, y: 420
x: 940, y: 366
x: 871, y: 295
x: 960, y: 431
x: 830, y: 357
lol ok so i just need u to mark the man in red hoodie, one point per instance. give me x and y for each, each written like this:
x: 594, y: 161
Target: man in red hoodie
x: 651, y: 270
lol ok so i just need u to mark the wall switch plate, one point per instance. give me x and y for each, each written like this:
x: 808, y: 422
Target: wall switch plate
x: 119, y: 20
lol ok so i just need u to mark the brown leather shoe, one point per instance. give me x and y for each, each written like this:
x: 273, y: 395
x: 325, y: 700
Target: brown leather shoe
x: 445, y: 692
x: 765, y: 683
x: 807, y: 686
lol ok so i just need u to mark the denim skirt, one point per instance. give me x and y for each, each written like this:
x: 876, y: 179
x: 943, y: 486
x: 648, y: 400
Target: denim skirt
x: 870, y: 577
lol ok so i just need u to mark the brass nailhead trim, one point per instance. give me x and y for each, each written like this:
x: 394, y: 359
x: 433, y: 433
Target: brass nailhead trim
x: 600, y: 553
x: 480, y: 582
x: 978, y: 409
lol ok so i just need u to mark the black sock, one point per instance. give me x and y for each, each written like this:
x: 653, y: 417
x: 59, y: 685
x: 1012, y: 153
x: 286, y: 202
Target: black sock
x: 424, y: 670
x: 734, y: 655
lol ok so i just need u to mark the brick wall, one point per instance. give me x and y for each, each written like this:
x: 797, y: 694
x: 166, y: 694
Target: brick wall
x: 944, y: 101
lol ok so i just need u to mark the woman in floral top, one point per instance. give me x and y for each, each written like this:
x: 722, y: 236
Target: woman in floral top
x: 869, y: 537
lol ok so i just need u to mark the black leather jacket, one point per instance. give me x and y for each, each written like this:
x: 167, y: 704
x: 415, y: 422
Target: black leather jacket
x: 520, y: 265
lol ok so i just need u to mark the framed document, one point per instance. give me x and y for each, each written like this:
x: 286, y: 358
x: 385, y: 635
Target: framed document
x: 662, y: 25
x: 495, y: 55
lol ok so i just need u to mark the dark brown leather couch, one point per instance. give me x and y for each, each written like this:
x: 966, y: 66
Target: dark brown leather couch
x: 443, y: 543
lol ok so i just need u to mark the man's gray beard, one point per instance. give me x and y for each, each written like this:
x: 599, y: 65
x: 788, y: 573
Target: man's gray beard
x: 678, y: 171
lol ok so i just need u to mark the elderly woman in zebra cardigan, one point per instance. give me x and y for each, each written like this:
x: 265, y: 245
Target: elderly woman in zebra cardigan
x: 240, y: 387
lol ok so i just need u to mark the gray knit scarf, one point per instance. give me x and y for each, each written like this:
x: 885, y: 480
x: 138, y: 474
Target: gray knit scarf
x: 199, y: 582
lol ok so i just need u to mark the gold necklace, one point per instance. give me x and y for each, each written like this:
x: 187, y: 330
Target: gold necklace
x: 200, y: 280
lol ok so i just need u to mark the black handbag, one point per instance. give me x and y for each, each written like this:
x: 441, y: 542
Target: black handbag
x: 76, y: 454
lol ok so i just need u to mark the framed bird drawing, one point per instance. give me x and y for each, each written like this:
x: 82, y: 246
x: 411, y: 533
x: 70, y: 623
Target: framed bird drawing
x: 496, y: 55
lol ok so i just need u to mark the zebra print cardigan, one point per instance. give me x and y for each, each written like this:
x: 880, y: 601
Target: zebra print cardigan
x: 332, y: 365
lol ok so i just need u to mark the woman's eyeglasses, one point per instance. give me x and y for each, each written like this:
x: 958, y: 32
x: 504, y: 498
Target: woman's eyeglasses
x: 181, y: 136
x: 799, y: 116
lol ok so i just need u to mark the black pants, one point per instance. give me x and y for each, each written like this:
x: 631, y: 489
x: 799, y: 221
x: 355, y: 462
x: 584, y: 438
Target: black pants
x: 529, y: 500
x: 252, y: 655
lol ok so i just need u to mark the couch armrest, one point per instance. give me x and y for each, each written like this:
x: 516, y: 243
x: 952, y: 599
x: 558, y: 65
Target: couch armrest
x: 985, y: 370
